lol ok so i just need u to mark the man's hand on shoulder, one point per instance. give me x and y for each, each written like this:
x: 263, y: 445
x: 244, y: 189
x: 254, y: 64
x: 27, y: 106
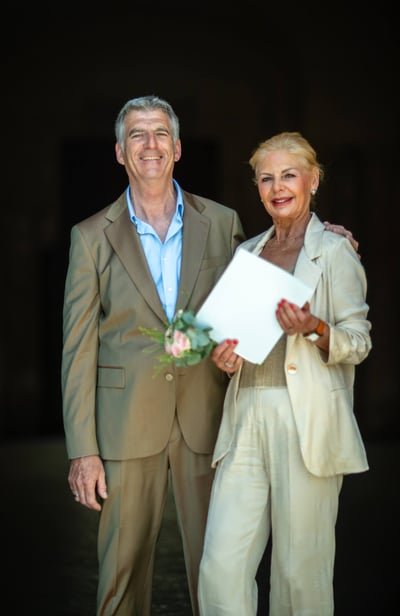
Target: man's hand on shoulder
x: 343, y: 231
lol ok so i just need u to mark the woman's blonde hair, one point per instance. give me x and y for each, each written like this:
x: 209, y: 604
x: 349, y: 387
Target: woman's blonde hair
x: 292, y: 142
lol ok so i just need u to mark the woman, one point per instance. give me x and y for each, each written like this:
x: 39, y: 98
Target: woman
x: 288, y: 433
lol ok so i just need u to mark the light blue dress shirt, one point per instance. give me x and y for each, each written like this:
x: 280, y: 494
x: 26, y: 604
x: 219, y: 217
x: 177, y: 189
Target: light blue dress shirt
x: 164, y: 258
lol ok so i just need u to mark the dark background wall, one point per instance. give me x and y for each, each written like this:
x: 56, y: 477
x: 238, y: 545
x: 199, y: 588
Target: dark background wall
x: 235, y: 75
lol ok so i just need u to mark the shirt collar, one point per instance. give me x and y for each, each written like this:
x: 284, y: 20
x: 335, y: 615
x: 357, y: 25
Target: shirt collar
x: 179, y: 203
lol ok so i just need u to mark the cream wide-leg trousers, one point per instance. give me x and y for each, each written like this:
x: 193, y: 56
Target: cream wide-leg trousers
x: 262, y: 486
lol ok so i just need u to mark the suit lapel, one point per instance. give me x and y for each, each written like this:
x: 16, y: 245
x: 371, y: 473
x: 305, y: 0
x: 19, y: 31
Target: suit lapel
x: 306, y: 268
x: 307, y: 271
x: 127, y: 246
x: 195, y: 235
x: 126, y: 243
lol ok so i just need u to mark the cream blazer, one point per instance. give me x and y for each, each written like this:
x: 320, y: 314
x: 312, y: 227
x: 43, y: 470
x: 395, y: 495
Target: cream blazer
x: 321, y: 385
x: 112, y: 403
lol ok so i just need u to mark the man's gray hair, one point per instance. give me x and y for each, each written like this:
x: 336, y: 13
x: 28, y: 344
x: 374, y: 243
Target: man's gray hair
x: 145, y: 103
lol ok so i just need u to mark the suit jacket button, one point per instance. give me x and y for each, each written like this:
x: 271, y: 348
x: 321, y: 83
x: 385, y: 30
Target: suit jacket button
x: 169, y: 377
x: 292, y: 368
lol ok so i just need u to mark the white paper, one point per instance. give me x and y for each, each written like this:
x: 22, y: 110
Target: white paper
x: 242, y: 304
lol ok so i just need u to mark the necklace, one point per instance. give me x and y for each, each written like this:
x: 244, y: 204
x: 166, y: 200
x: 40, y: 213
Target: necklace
x: 281, y: 244
x: 289, y: 237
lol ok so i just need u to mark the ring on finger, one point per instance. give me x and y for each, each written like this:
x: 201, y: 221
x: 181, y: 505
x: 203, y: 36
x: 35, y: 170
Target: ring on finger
x: 228, y: 364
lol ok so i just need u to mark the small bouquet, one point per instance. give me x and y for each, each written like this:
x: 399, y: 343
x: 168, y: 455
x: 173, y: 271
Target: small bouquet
x: 185, y: 342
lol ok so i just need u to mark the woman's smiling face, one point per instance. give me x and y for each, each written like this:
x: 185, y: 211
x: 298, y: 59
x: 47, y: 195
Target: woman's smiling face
x: 284, y: 184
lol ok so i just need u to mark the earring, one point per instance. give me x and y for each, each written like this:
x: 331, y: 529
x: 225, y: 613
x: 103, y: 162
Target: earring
x: 313, y: 191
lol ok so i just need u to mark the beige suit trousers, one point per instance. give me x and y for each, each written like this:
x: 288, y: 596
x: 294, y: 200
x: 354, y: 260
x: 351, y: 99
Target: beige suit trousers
x: 131, y: 519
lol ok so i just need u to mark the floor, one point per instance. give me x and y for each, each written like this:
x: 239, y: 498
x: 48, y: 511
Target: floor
x: 50, y: 542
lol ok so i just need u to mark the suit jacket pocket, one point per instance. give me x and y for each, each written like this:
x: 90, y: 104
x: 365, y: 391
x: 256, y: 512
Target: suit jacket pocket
x: 111, y: 376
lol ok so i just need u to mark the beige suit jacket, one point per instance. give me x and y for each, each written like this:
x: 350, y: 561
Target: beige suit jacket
x: 321, y: 384
x: 112, y: 403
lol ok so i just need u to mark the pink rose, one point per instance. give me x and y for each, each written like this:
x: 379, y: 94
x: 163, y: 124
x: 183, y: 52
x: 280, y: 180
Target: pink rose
x: 179, y: 344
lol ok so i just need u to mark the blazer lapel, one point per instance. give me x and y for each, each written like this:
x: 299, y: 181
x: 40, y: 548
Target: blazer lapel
x: 306, y: 268
x: 307, y: 271
x: 127, y: 246
x: 195, y: 234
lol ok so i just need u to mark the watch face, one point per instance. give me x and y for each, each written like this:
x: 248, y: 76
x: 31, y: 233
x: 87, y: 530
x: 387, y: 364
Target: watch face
x: 313, y: 337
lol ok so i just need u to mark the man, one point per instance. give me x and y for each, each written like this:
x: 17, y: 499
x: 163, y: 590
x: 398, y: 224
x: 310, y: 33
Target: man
x: 157, y: 248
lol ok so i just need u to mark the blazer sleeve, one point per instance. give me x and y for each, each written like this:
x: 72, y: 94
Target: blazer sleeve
x: 346, y: 289
x: 80, y: 348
